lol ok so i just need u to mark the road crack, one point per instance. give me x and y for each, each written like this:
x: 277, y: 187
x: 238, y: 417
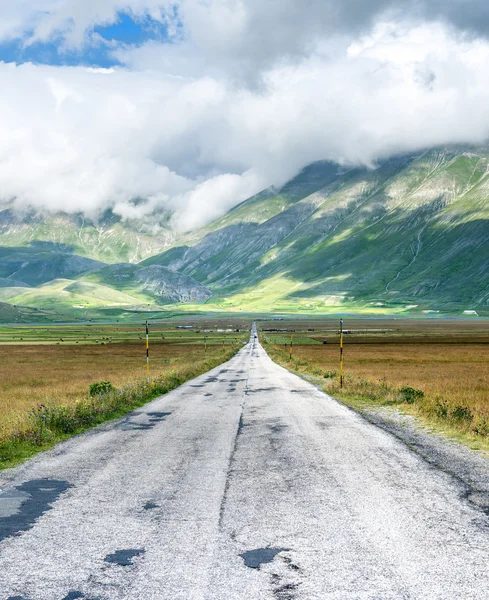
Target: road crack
x: 239, y: 429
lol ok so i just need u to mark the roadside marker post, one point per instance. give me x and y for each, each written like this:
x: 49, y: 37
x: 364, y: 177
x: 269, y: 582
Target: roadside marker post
x: 290, y: 349
x: 341, y: 353
x: 147, y: 350
x: 205, y: 344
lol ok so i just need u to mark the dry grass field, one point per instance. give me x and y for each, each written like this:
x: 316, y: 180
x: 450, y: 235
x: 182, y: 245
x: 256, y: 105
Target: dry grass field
x: 47, y: 374
x: 54, y: 366
x: 447, y: 361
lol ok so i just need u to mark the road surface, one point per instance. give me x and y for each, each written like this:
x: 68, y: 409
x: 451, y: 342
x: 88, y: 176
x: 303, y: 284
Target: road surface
x: 246, y: 483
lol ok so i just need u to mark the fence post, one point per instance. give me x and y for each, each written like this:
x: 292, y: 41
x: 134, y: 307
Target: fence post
x: 147, y: 350
x: 341, y: 353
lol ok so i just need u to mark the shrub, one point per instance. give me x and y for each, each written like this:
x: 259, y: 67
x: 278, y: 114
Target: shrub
x: 100, y: 388
x: 410, y: 395
x: 329, y: 374
x: 462, y: 413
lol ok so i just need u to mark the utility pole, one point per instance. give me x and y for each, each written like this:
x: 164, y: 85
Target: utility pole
x: 341, y: 353
x: 147, y: 350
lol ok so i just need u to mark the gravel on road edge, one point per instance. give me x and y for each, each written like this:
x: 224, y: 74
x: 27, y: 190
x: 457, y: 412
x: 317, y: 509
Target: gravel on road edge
x: 469, y: 467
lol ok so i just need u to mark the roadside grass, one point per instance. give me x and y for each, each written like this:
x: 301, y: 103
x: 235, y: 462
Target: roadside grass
x: 45, y: 389
x: 445, y: 384
x: 54, y: 375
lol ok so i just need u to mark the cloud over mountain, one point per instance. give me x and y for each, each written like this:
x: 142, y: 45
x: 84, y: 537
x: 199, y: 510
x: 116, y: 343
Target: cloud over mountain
x: 237, y: 97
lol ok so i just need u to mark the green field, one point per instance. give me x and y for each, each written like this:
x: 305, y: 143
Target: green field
x: 213, y: 331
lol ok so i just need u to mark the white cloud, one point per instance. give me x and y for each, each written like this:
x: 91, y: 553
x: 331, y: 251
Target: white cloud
x: 211, y: 198
x: 251, y: 32
x: 186, y: 126
x: 80, y: 140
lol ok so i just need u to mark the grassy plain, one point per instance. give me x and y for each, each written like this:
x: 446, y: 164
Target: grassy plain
x: 447, y: 360
x: 54, y: 366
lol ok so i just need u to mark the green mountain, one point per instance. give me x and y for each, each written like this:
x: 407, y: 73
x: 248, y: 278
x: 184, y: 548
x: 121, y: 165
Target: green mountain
x: 50, y: 262
x: 410, y: 235
x: 40, y: 262
x: 109, y: 239
x: 48, y: 276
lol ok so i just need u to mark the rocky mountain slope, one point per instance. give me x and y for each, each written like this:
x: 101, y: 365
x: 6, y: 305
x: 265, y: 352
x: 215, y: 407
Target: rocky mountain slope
x: 158, y: 282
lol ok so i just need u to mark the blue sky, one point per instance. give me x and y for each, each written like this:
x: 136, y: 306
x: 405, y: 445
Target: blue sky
x: 126, y: 31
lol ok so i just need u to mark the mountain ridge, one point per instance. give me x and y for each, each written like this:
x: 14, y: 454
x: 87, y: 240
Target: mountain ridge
x: 361, y: 238
x: 411, y: 235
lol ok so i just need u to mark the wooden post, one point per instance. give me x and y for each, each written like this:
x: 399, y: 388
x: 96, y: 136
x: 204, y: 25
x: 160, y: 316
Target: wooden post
x: 341, y: 353
x: 147, y: 349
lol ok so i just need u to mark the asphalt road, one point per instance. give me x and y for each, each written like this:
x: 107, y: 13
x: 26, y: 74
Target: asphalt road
x: 245, y: 483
